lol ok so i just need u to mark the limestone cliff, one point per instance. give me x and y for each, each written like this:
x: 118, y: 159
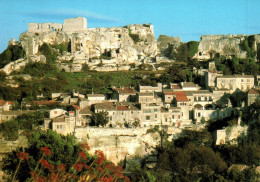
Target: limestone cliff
x: 113, y: 46
x: 226, y: 45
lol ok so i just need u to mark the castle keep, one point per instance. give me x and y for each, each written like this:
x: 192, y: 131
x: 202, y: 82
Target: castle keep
x: 70, y: 25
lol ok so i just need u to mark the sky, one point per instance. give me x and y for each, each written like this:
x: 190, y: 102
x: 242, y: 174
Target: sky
x: 187, y: 19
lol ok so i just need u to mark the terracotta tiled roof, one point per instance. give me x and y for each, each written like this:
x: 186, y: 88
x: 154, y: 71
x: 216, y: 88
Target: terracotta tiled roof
x: 252, y: 91
x: 3, y: 102
x: 122, y: 108
x: 181, y: 97
x: 76, y: 107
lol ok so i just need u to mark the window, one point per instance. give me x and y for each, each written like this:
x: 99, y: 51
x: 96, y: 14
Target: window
x: 155, y: 110
x: 199, y: 98
x: 248, y: 86
x: 147, y: 117
x: 248, y: 80
x: 172, y: 116
x: 242, y: 80
x: 132, y: 112
x: 110, y: 118
x: 155, y: 116
x: 198, y: 114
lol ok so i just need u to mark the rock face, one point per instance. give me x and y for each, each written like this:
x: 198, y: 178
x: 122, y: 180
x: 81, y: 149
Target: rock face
x: 115, y: 48
x: 112, y: 46
x: 227, y: 45
x: 168, y: 44
x: 120, y: 143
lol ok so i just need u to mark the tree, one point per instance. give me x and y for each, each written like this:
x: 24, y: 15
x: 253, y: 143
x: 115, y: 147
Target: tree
x: 100, y: 118
x: 9, y: 130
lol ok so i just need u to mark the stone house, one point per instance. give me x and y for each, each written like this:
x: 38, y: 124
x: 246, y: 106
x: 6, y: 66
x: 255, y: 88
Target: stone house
x: 157, y: 89
x: 5, y: 105
x: 8, y: 115
x: 61, y: 121
x: 233, y: 82
x: 119, y: 113
x: 252, y: 96
x: 126, y: 94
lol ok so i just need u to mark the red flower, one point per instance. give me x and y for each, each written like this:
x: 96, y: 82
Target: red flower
x: 85, y: 145
x: 45, y: 164
x: 22, y: 156
x: 34, y: 175
x: 39, y: 179
x: 61, y: 167
x: 127, y: 179
x: 78, y: 167
x: 100, y: 169
x: 99, y: 160
x: 83, y: 155
x: 54, y: 177
x: 46, y: 150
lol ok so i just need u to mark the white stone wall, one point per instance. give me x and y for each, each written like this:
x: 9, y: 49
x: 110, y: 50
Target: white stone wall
x: 117, y: 143
x: 75, y: 24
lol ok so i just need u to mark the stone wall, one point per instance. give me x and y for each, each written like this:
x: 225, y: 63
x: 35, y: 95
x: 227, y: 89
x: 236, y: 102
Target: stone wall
x: 117, y: 143
x: 75, y: 24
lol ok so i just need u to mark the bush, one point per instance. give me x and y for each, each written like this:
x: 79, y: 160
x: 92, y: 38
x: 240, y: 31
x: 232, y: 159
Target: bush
x: 135, y: 37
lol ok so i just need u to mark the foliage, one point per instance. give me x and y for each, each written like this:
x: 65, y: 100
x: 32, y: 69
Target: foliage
x: 49, y: 52
x: 85, y: 68
x: 9, y: 130
x: 61, y: 47
x: 100, y: 118
x: 198, y: 138
x: 248, y: 46
x: 186, y: 51
x: 135, y: 37
x: 12, y: 53
x: 62, y: 160
x: 145, y: 67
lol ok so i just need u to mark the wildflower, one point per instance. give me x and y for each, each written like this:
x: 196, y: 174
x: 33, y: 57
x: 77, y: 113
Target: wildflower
x: 61, y: 167
x: 99, y: 160
x: 22, y: 156
x: 54, y: 177
x: 46, y: 150
x: 127, y: 179
x: 83, y: 155
x: 100, y: 169
x: 85, y: 145
x: 78, y: 167
x: 45, y: 164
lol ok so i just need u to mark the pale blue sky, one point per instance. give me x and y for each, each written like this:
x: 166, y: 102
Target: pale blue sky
x: 187, y: 19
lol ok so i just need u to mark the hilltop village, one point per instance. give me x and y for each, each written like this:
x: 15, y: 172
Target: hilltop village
x: 116, y: 87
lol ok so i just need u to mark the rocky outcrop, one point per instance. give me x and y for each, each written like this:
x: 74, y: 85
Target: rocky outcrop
x: 167, y: 45
x: 112, y: 46
x: 119, y: 143
x: 226, y: 45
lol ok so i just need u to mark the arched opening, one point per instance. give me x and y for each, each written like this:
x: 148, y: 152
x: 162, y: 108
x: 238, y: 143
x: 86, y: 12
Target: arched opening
x: 198, y: 106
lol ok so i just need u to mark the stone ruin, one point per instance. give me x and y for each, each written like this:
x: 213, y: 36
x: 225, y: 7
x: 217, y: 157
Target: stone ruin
x: 113, y: 48
x: 70, y: 25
